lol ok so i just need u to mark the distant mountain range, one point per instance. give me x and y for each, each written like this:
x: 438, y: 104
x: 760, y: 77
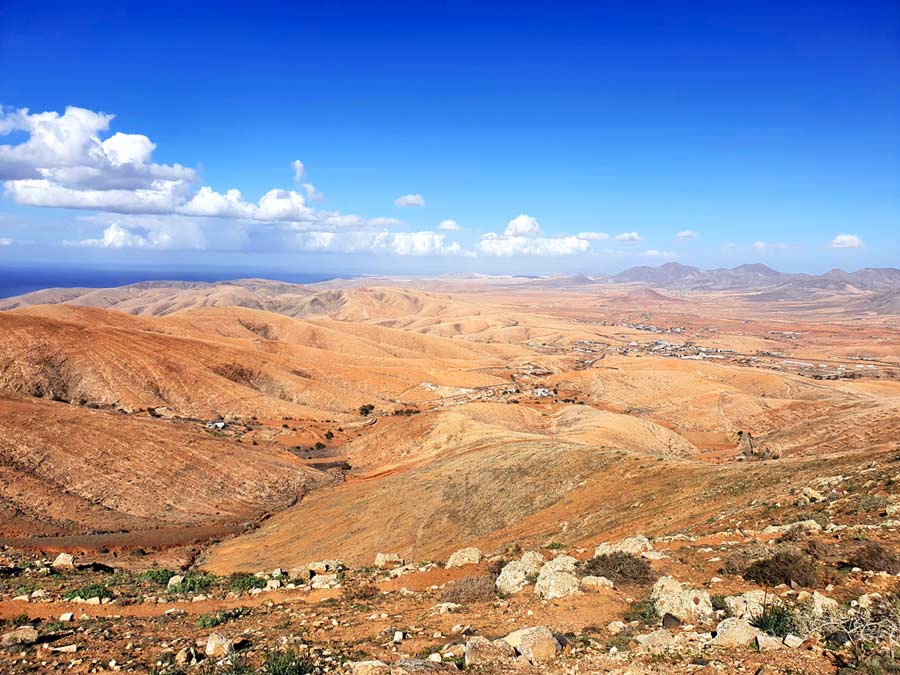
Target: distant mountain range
x: 758, y: 277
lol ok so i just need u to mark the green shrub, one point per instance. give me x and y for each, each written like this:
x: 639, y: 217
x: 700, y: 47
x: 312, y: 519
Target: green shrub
x: 240, y: 582
x: 157, y: 576
x: 619, y: 567
x: 217, y: 619
x: 783, y: 568
x: 285, y: 662
x: 194, y: 583
x: 91, y: 591
x: 775, y: 619
x: 643, y: 611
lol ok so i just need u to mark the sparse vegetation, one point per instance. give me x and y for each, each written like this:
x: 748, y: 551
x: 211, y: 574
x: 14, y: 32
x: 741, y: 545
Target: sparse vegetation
x: 775, y: 619
x: 90, y: 591
x: 784, y: 567
x: 469, y: 589
x: 643, y: 611
x: 285, y: 662
x: 619, y: 567
x: 241, y: 582
x: 876, y: 557
x: 194, y: 583
x: 157, y: 576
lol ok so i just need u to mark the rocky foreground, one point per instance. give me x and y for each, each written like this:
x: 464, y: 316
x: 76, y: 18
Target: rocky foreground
x: 793, y: 599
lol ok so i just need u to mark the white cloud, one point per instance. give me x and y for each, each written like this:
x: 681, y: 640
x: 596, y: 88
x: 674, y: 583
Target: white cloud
x: 410, y: 200
x: 504, y: 246
x: 312, y: 194
x: 523, y: 225
x: 66, y: 150
x: 687, y: 234
x: 449, y: 225
x: 298, y: 168
x: 156, y: 236
x: 593, y: 236
x: 6, y: 241
x: 63, y: 163
x: 768, y: 246
x: 847, y: 241
x: 425, y: 243
x: 653, y: 253
x: 629, y: 237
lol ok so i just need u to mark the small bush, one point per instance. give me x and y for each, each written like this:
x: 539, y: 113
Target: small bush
x: 644, y: 612
x: 287, y: 662
x: 193, y: 583
x: 157, y: 576
x: 217, y: 619
x: 470, y: 589
x: 783, y: 568
x: 623, y: 568
x: 718, y: 603
x: 775, y: 619
x: 241, y: 582
x: 91, y: 591
x: 876, y: 557
x: 359, y: 591
x: 741, y: 559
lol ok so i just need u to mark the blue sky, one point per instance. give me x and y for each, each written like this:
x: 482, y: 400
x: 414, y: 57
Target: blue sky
x: 556, y: 136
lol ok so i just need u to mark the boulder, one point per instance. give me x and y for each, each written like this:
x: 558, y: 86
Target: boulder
x: 535, y: 643
x: 657, y: 641
x: 464, y: 556
x: 596, y: 583
x: 369, y: 668
x: 748, y: 604
x: 324, y: 581
x: 174, y: 580
x: 64, y: 561
x: 325, y: 566
x: 482, y: 652
x: 383, y: 560
x: 734, y: 632
x: 689, y: 605
x: 513, y: 578
x: 66, y: 617
x: 561, y: 563
x: 23, y: 635
x: 533, y: 562
x: 635, y: 545
x: 552, y: 584
x: 217, y: 646
x: 768, y: 643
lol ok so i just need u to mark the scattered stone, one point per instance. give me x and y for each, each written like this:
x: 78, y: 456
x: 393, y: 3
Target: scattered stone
x: 464, y: 556
x: 174, y: 581
x: 658, y: 641
x: 615, y: 627
x: 792, y: 641
x: 324, y: 581
x: 513, y: 578
x: 806, y: 525
x: 66, y: 617
x: 747, y: 604
x: 561, y: 563
x: 446, y: 607
x: 767, y: 643
x: 369, y: 668
x: 64, y: 561
x: 536, y: 643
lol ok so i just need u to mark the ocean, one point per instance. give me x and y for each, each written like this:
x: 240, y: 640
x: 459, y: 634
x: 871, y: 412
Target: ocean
x: 19, y: 280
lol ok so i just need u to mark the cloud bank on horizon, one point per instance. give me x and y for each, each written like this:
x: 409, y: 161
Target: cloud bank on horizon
x: 73, y: 161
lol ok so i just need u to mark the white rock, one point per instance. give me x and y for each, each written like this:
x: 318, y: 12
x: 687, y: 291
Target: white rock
x: 749, y: 604
x: 536, y: 643
x: 64, y: 561
x: 689, y: 605
x: 734, y: 632
x: 512, y: 578
x: 552, y: 584
x: 464, y: 556
x: 174, y: 581
x: 217, y: 645
x: 595, y: 583
x: 383, y: 560
x: 635, y: 545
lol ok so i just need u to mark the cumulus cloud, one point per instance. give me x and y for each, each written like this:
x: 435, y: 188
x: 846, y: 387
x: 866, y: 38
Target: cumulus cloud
x: 847, y: 241
x: 654, y: 253
x: 410, y: 200
x: 593, y: 236
x: 64, y: 163
x: 425, y: 243
x: 523, y: 225
x: 504, y: 246
x: 629, y: 237
x: 449, y: 225
x: 156, y: 236
x: 683, y: 235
